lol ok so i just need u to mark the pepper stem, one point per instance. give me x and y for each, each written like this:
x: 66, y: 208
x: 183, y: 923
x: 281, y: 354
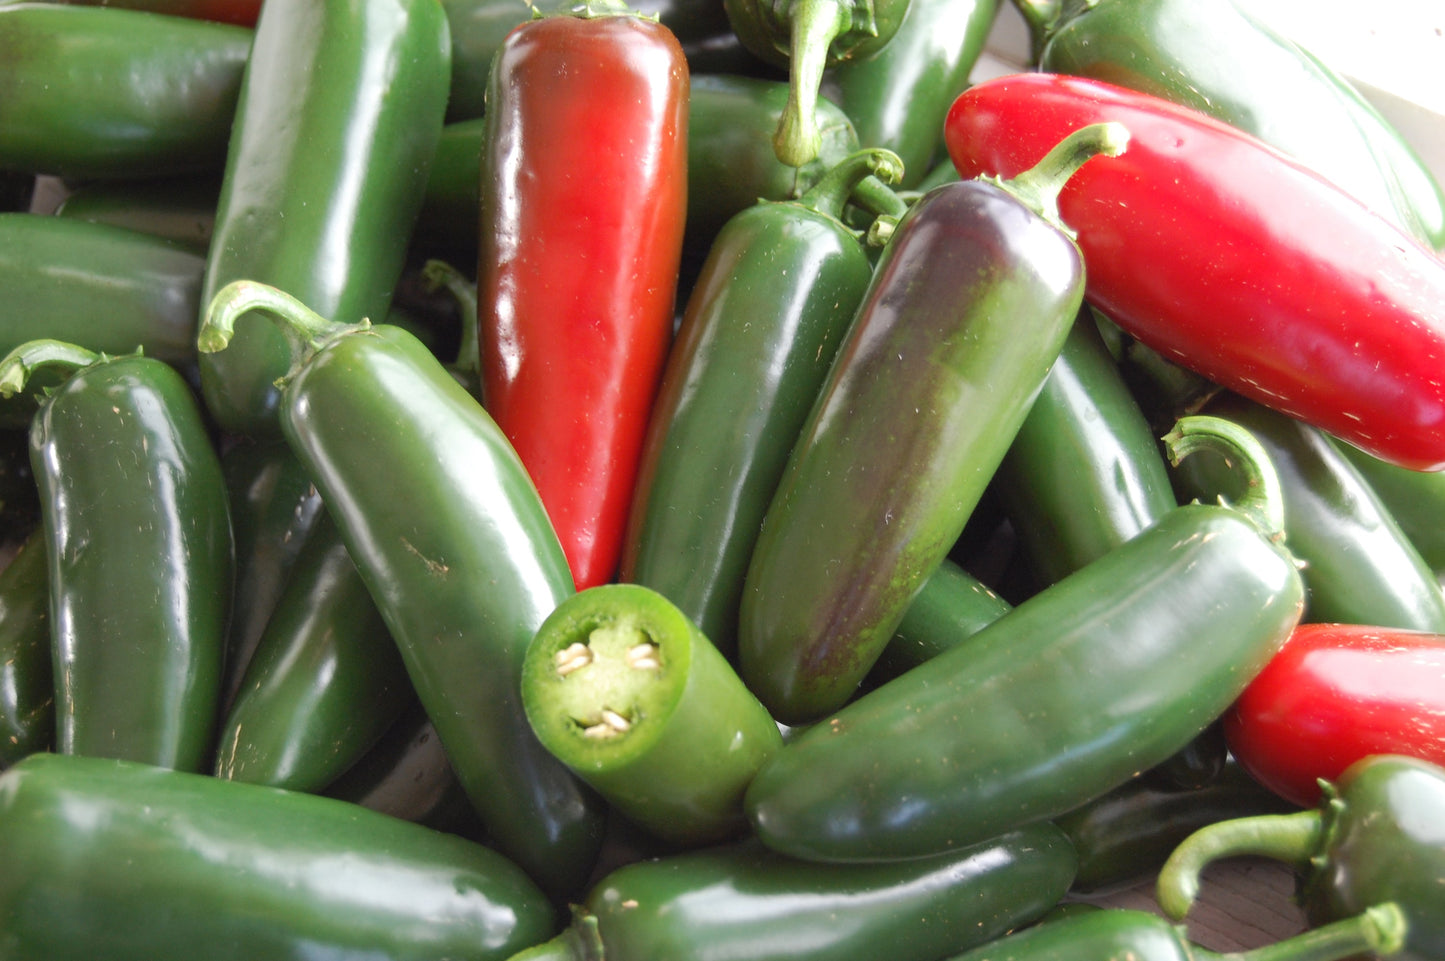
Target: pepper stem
x: 1039, y: 16
x: 877, y: 167
x: 306, y: 331
x: 438, y: 274
x: 21, y: 363
x: 1379, y: 930
x: 1293, y: 838
x: 1038, y: 187
x: 1263, y: 501
x: 814, y: 24
x: 579, y: 941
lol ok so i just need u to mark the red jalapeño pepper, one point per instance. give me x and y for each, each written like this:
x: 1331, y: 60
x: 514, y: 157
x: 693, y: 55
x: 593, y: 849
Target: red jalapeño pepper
x: 1336, y: 693
x: 584, y: 192
x: 1235, y: 261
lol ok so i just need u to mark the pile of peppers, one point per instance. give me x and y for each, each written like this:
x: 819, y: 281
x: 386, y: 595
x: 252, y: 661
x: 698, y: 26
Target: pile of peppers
x: 709, y: 480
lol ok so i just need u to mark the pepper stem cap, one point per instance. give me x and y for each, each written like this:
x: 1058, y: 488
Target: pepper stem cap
x: 875, y: 167
x: 1038, y: 187
x: 1379, y: 930
x: 305, y: 330
x: 20, y: 364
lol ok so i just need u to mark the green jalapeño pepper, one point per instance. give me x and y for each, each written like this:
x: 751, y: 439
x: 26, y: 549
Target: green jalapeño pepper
x: 1414, y: 498
x: 1374, y: 837
x: 91, y: 92
x: 129, y: 862
x: 743, y: 901
x: 951, y: 607
x: 337, y: 122
x: 1103, y: 674
x: 765, y: 318
x: 179, y: 209
x: 27, y: 688
x: 806, y: 37
x: 1125, y: 934
x: 463, y: 576
x: 963, y: 317
x: 624, y: 689
x: 138, y: 535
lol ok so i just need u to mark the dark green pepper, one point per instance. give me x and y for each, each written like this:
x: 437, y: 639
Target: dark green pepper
x: 179, y: 209
x: 1101, y: 675
x: 744, y: 901
x: 622, y: 687
x: 138, y: 535
x: 951, y: 607
x: 1374, y: 837
x: 1359, y: 568
x: 337, y: 122
x: 463, y: 576
x: 126, y: 861
x: 806, y: 37
x: 1221, y: 59
x: 1414, y: 498
x: 326, y: 680
x: 964, y: 314
x: 1125, y: 934
x: 762, y: 325
x: 89, y: 91
x: 27, y: 688
x: 1085, y: 472
x: 898, y: 97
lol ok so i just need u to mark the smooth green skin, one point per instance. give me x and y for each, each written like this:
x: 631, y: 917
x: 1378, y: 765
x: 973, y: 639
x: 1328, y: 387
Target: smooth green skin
x: 125, y: 861
x: 1105, y: 673
x: 697, y: 735
x: 463, y: 584
x: 101, y: 287
x: 951, y: 607
x: 1415, y: 499
x: 966, y: 311
x: 762, y: 325
x: 89, y: 92
x: 274, y: 507
x: 27, y: 688
x: 326, y: 680
x: 338, y: 119
x: 1085, y: 472
x: 138, y: 536
x: 179, y: 209
x: 1218, y: 58
x: 730, y: 161
x: 1127, y: 834
x: 1360, y: 568
x: 744, y: 901
x: 898, y: 97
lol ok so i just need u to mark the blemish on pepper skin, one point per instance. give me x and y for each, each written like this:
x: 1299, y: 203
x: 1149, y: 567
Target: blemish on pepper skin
x: 435, y: 567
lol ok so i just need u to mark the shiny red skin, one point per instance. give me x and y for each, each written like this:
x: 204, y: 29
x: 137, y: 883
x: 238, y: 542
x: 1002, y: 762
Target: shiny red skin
x: 243, y: 13
x: 584, y: 194
x: 1335, y: 693
x: 1233, y: 260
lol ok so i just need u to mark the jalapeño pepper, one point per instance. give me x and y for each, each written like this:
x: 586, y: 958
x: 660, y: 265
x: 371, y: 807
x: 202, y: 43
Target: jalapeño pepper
x: 27, y: 688
x: 926, y: 392
x: 463, y: 579
x: 1026, y: 720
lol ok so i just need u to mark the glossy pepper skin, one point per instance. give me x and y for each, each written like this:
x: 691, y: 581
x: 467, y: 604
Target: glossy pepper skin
x: 1085, y: 471
x: 963, y: 316
x: 1336, y: 693
x: 1220, y: 59
x: 27, y: 687
x: 762, y: 325
x: 326, y: 680
x: 1413, y: 498
x: 1359, y: 567
x: 950, y: 607
x: 622, y: 687
x: 339, y: 113
x: 181, y: 209
x: 1024, y: 721
x: 126, y: 470
x: 1265, y: 277
x: 101, y: 287
x: 898, y: 97
x: 1373, y: 838
x: 95, y: 92
x: 584, y: 191
x: 743, y: 901
x: 130, y: 861
x: 463, y: 576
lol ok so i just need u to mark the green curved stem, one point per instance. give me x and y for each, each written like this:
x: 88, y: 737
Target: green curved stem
x: 306, y: 331
x: 1263, y: 501
x: 21, y: 363
x: 1292, y: 838
x: 438, y: 274
x: 1038, y: 187
x: 1039, y: 16
x: 579, y: 941
x: 814, y: 24
x: 1379, y: 930
x: 875, y: 167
